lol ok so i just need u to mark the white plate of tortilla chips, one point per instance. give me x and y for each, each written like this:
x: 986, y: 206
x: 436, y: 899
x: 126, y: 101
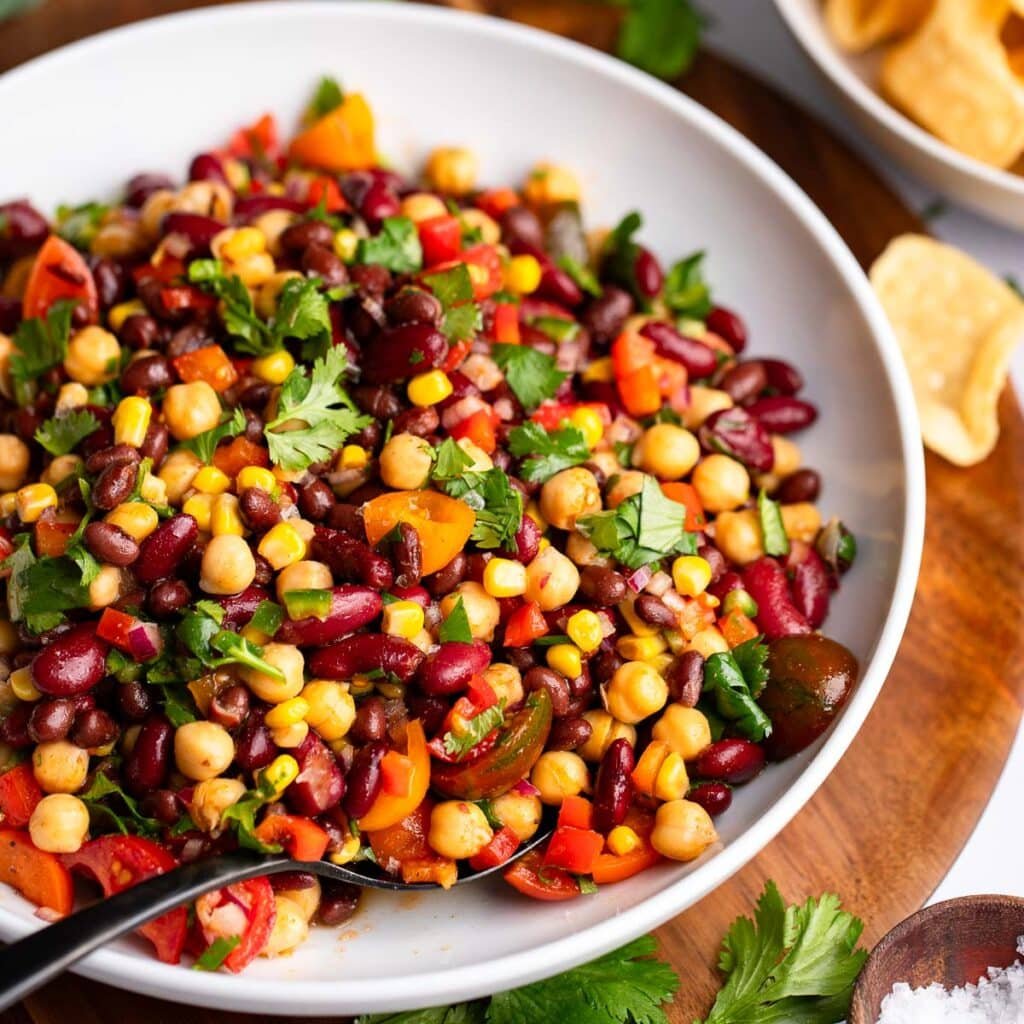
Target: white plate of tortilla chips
x: 938, y: 84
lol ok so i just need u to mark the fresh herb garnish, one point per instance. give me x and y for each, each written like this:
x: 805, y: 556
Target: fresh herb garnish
x: 61, y: 434
x: 328, y: 97
x: 772, y: 528
x: 736, y: 679
x: 79, y: 224
x: 130, y: 820
x: 41, y: 590
x: 39, y: 346
x: 241, y: 816
x: 455, y: 628
x: 205, y: 444
x: 498, y: 506
x: 532, y: 375
x: 559, y: 329
x: 453, y: 288
x: 583, y: 276
x: 477, y: 728
x: 549, y: 451
x: 660, y: 36
x: 215, y: 647
x: 686, y: 292
x: 450, y: 461
x: 213, y: 957
x: 396, y: 247
x: 620, y: 254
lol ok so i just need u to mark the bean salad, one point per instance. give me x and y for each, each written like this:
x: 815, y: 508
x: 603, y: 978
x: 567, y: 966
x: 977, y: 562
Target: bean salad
x: 385, y: 520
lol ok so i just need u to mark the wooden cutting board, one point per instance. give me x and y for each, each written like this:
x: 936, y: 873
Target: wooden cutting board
x: 887, y: 825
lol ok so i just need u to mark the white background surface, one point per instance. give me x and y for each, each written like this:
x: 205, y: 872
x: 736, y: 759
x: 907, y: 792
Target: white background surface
x: 751, y: 32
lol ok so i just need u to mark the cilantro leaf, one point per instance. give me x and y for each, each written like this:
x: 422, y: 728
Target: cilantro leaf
x: 477, y: 727
x: 734, y: 695
x: 178, y: 705
x: 241, y: 816
x: 328, y: 97
x: 581, y: 274
x: 454, y: 289
x: 396, y: 247
x: 531, y: 375
x: 772, y: 529
x: 39, y: 346
x: 213, y: 957
x: 686, y: 292
x: 450, y: 461
x: 131, y: 821
x: 40, y: 591
x: 620, y: 254
x: 455, y: 628
x: 751, y: 657
x: 549, y: 451
x: 236, y: 309
x: 61, y: 434
x: 498, y: 506
x: 302, y: 313
x: 322, y: 404
x: 461, y: 1013
x: 205, y: 444
x: 79, y: 224
x: 660, y: 36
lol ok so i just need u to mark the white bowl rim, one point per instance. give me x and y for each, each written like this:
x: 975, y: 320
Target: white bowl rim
x: 829, y: 59
x: 353, y: 995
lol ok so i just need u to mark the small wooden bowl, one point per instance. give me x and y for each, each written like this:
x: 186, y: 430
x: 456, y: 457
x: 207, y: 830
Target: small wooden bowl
x: 952, y: 943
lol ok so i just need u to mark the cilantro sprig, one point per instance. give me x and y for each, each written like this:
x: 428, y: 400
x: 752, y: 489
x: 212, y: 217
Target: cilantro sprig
x: 127, y: 819
x: 686, y: 292
x: 498, y: 506
x: 396, y: 246
x: 734, y: 680
x: 477, y: 728
x: 545, y: 452
x: 62, y: 434
x: 454, y: 289
x: 532, y: 375
x: 205, y: 444
x: 659, y: 36
x: 39, y: 346
x: 212, y: 958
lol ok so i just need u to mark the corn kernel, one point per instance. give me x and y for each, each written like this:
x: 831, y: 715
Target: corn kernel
x: 353, y: 456
x: 348, y: 851
x: 211, y: 480
x: 346, y: 241
x: 590, y: 424
x: 566, y: 658
x: 280, y: 773
x: 601, y: 371
x: 71, y: 396
x: 429, y: 388
x: 661, y: 662
x: 533, y: 511
x: 282, y: 545
x: 287, y: 713
x: 584, y: 629
x: 136, y: 518
x: 672, y: 780
x: 622, y: 840
x: 33, y: 500
x: 241, y: 244
x: 119, y: 313
x: 402, y: 618
x: 274, y: 368
x: 200, y: 508
x: 640, y: 648
x: 256, y: 476
x: 153, y: 489
x: 23, y: 685
x: 505, y: 577
x: 131, y: 421
x: 225, y: 517
x: 691, y: 575
x: 290, y: 736
x: 522, y: 274
x: 8, y: 503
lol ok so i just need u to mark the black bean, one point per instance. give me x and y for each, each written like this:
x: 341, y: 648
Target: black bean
x: 114, y: 485
x: 109, y: 543
x: 319, y: 261
x: 259, y: 510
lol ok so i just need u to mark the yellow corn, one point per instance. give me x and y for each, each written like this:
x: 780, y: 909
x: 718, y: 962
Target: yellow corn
x: 640, y: 648
x: 584, y: 629
x: 635, y: 623
x: 566, y: 658
x: 429, y: 388
x: 256, y: 476
x: 353, y: 456
x: 274, y: 368
x: 590, y: 424
x: 225, y: 517
x: 200, y: 508
x: 672, y: 780
x: 348, y: 851
x: 282, y: 545
x: 289, y: 737
x: 33, y: 500
x: 242, y: 243
x: 346, y: 241
x: 622, y: 840
x: 661, y: 662
x: 287, y: 713
x: 533, y: 511
x: 600, y: 371
x: 72, y: 396
x: 522, y: 274
x: 119, y: 313
x: 280, y: 773
x: 691, y: 575
x: 8, y: 503
x: 136, y: 518
x: 211, y: 480
x: 402, y: 618
x: 23, y: 685
x: 505, y: 577
x: 131, y: 421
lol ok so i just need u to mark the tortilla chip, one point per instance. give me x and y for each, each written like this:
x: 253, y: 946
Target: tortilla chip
x: 953, y: 76
x: 857, y: 25
x: 957, y: 324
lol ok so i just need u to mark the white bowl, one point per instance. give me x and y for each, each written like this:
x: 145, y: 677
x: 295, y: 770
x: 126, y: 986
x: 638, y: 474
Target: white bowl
x: 990, y: 190
x: 149, y: 96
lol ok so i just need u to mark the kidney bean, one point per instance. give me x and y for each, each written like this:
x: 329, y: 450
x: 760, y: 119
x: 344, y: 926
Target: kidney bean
x: 14, y: 727
x: 738, y: 433
x: 403, y: 352
x: 364, y: 779
x: 810, y: 588
x: 248, y: 208
x: 783, y: 414
x: 155, y: 443
x: 230, y: 706
x: 569, y: 733
x: 604, y: 587
x: 134, y: 700
x: 296, y: 238
x: 240, y: 608
x: 258, y: 509
x: 365, y: 652
x: 146, y: 767
x: 71, y: 664
x: 605, y: 663
x: 431, y: 711
x: 450, y: 668
x: 734, y: 761
x: 745, y: 381
x: 777, y: 616
x: 94, y: 728
x: 111, y: 282
x: 655, y: 612
x: 685, y: 678
x: 378, y: 202
x: 557, y: 286
x: 320, y: 783
x: 319, y: 261
x: 606, y: 315
x: 22, y: 229
x: 352, y: 607
x: 112, y: 455
x: 166, y: 547
x: 338, y: 902
x: 521, y: 658
x: 370, y: 722
x: 348, y: 557
x: 109, y: 543
x: 316, y: 500
x: 613, y: 788
x: 371, y: 278
x: 207, y: 167
x: 714, y: 558
x: 557, y: 686
x: 413, y: 306
x: 254, y: 745
x: 728, y: 326
x: 146, y: 375
x: 526, y: 542
x: 419, y: 422
x: 521, y: 227
x: 699, y: 359
x: 51, y: 720
x: 197, y: 228
x: 714, y: 797
x: 782, y: 376
x: 407, y: 554
x: 803, y: 485
x: 142, y: 186
x: 348, y: 518
x: 447, y: 578
x: 168, y: 597
x: 581, y: 685
x: 648, y: 273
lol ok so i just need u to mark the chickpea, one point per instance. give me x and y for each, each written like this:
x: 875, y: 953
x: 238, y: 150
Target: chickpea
x: 71, y: 396
x: 291, y: 928
x: 624, y: 485
x: 722, y: 483
x: 607, y: 462
x: 458, y: 829
x: 802, y: 521
x: 551, y: 580
x: 549, y: 184
x: 119, y: 237
x: 273, y: 225
x: 708, y: 641
x: 635, y: 692
x: 211, y: 798
x: 482, y: 610
x: 93, y: 357
x: 582, y: 551
x: 506, y: 681
x: 452, y: 169
x: 520, y: 812
x: 154, y: 209
x: 738, y: 536
x: 682, y: 830
x: 788, y: 457
x: 604, y: 731
x: 105, y: 589
x: 14, y: 462
x: 558, y: 774
x: 177, y: 473
x: 667, y: 451
x: 704, y: 402
x: 228, y: 565
x: 211, y: 198
x: 307, y: 900
x: 421, y: 206
x: 685, y: 730
x: 289, y: 660
x: 331, y: 708
x: 60, y: 766
x: 60, y: 469
x: 405, y: 462
x: 569, y: 494
x: 202, y: 750
x: 304, y: 575
x: 481, y: 460
x: 191, y: 409
x: 59, y: 823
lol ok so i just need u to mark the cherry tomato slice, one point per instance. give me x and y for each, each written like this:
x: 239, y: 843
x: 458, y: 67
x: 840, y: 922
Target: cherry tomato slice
x: 59, y: 272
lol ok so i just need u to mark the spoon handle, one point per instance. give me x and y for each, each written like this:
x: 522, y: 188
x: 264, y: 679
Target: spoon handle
x: 41, y: 956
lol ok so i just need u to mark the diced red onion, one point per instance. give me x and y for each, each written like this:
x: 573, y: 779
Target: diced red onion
x: 525, y: 788
x: 144, y: 641
x: 658, y: 583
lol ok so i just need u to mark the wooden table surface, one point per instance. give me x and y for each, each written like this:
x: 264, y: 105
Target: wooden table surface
x: 887, y: 825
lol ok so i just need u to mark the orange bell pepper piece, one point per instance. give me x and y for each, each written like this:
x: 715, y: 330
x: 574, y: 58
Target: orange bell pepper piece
x: 389, y: 809
x: 737, y: 628
x: 232, y: 458
x: 686, y: 494
x: 40, y: 877
x: 303, y: 839
x: 442, y: 523
x: 342, y: 140
x: 645, y: 774
x: 610, y: 867
x: 210, y: 364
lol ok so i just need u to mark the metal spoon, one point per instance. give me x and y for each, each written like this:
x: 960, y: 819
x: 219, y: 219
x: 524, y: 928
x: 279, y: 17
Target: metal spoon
x: 41, y: 956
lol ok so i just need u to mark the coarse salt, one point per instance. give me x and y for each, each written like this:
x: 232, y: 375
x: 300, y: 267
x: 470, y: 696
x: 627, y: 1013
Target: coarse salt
x: 996, y: 999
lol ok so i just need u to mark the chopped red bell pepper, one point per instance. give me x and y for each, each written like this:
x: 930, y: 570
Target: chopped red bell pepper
x: 487, y: 259
x: 114, y: 627
x: 551, y: 415
x: 258, y: 140
x: 185, y: 296
x: 503, y: 844
x: 325, y: 190
x: 479, y: 428
x: 525, y: 624
x: 505, y: 324
x: 532, y: 877
x: 168, y: 270
x: 302, y: 839
x: 19, y: 794
x: 481, y: 693
x: 576, y: 812
x: 631, y: 352
x: 573, y: 849
x: 441, y: 239
x: 456, y: 354
x: 255, y: 898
